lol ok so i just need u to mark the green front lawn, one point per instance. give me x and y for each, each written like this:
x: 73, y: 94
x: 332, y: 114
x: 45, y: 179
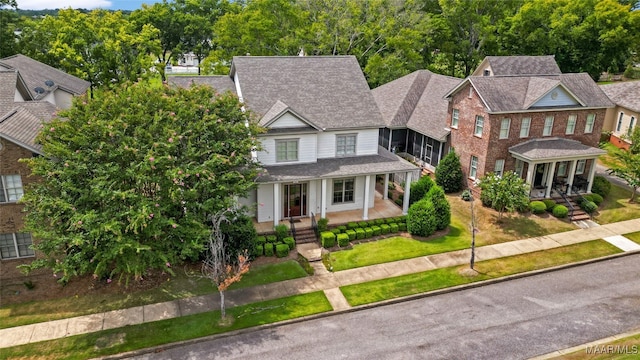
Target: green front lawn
x: 135, y: 337
x: 616, y: 207
x: 609, y: 159
x: 182, y: 285
x: 384, y: 289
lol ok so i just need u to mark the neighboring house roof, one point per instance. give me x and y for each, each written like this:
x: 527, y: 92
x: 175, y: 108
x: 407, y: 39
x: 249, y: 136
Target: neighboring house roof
x: 328, y: 91
x: 624, y: 94
x: 43, y: 76
x: 416, y: 101
x: 520, y: 93
x: 23, y: 122
x: 519, y: 65
x: 384, y: 162
x: 548, y: 149
x: 222, y: 83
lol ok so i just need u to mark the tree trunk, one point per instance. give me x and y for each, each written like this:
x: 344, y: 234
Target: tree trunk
x: 223, y: 313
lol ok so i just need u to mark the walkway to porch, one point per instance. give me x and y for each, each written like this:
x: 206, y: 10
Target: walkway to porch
x: 381, y: 209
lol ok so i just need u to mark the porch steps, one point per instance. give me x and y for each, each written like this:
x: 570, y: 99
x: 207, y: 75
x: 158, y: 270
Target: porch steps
x: 305, y: 236
x: 578, y: 213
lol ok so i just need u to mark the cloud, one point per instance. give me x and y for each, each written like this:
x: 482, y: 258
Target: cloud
x: 63, y: 4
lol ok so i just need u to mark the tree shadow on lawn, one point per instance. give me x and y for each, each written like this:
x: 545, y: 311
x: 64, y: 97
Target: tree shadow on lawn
x: 521, y: 226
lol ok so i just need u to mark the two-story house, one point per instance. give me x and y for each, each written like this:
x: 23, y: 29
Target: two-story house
x: 320, y: 152
x: 623, y: 118
x: 415, y: 113
x: 22, y: 114
x: 522, y: 114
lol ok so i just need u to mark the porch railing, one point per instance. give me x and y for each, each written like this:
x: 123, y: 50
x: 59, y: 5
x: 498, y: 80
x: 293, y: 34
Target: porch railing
x: 577, y: 190
x: 292, y: 227
x: 563, y: 194
x: 314, y: 224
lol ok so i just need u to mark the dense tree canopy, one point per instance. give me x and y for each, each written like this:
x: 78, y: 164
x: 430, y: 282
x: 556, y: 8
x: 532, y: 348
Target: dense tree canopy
x: 131, y: 179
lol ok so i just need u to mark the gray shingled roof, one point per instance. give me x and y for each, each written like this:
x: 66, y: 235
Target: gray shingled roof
x: 36, y: 73
x: 384, y: 162
x: 625, y: 94
x: 511, y: 94
x: 222, y: 83
x: 21, y: 124
x: 416, y: 101
x: 523, y: 65
x: 329, y: 91
x: 553, y: 149
x: 7, y: 89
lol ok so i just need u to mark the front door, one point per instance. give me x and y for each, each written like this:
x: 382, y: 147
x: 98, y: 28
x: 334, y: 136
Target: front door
x: 539, y: 178
x: 295, y: 200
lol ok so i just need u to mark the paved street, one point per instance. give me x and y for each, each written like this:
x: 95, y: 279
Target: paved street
x: 511, y: 320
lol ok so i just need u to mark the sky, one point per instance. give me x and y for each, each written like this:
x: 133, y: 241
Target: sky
x: 84, y: 4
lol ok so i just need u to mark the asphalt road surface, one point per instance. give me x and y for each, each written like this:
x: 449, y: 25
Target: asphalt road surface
x: 516, y: 319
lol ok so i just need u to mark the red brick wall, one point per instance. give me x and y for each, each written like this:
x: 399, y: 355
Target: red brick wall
x: 619, y: 143
x: 490, y: 147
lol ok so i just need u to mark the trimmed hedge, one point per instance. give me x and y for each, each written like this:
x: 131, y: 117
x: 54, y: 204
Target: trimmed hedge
x: 268, y: 249
x: 560, y: 211
x: 389, y: 221
x: 272, y: 239
x: 385, y: 229
x: 589, y: 207
x: 336, y: 231
x: 376, y: 230
x: 261, y: 239
x: 402, y: 226
x: 549, y: 204
x: 352, y: 225
x: 282, y: 231
x: 351, y: 234
x: 290, y: 241
x: 360, y: 234
x: 394, y: 227
x: 537, y: 207
x: 363, y: 224
x: 379, y: 221
x: 328, y: 239
x: 343, y: 240
x: 342, y: 228
x: 368, y: 232
x: 282, y: 250
x: 258, y: 250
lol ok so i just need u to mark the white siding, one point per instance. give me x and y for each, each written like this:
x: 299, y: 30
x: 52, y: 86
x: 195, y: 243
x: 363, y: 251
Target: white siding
x: 359, y: 194
x: 307, y: 145
x: 288, y: 120
x: 562, y: 98
x: 249, y: 203
x: 366, y: 142
x: 264, y: 206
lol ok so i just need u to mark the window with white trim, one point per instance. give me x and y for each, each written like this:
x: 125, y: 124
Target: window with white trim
x: 455, y: 117
x: 548, y: 126
x: 479, y: 126
x: 525, y: 125
x: 10, y: 188
x: 343, y: 190
x: 14, y: 246
x: 286, y: 150
x: 473, y: 167
x: 346, y: 145
x: 562, y: 169
x: 591, y: 119
x: 499, y: 167
x: 631, y: 125
x: 571, y: 124
x: 580, y: 166
x: 505, y: 124
x: 619, y: 126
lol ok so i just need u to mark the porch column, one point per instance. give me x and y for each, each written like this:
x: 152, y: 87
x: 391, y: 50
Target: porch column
x: 572, y: 173
x: 323, y: 199
x: 550, y: 175
x: 385, y: 194
x: 367, y: 184
x: 592, y: 173
x: 530, y: 169
x: 440, y: 152
x: 407, y: 190
x: 276, y: 204
x: 390, y: 137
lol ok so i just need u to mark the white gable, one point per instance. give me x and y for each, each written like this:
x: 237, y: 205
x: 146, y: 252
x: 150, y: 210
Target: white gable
x: 288, y: 120
x: 557, y: 97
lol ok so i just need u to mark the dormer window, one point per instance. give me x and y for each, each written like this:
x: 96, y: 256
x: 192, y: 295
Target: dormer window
x: 345, y: 145
x: 286, y: 150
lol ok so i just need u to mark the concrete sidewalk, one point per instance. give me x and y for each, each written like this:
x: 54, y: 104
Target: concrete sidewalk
x: 323, y: 280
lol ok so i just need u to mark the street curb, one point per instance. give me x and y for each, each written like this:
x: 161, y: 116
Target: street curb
x: 567, y: 351
x: 161, y: 348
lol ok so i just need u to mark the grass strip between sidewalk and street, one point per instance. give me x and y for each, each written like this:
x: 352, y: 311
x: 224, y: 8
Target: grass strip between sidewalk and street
x: 391, y: 288
x: 627, y: 348
x: 181, y: 286
x: 635, y: 237
x: 136, y: 337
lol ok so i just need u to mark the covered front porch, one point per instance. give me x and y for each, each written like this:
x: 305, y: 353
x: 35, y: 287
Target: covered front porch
x: 555, y: 164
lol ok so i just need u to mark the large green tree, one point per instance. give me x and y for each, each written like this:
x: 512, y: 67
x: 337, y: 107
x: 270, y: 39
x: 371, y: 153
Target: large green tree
x: 8, y: 24
x: 131, y: 179
x: 628, y: 164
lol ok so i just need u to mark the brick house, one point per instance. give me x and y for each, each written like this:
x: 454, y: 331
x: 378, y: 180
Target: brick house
x: 623, y: 118
x: 23, y: 110
x: 520, y: 113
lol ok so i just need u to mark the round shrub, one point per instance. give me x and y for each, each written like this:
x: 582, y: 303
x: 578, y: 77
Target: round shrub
x: 421, y: 220
x: 589, y: 207
x: 601, y: 186
x: 537, y: 207
x: 282, y: 250
x: 466, y: 195
x: 596, y: 198
x: 420, y: 188
x: 550, y: 204
x: 560, y: 211
x: 587, y: 197
x: 441, y: 205
x: 343, y: 240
